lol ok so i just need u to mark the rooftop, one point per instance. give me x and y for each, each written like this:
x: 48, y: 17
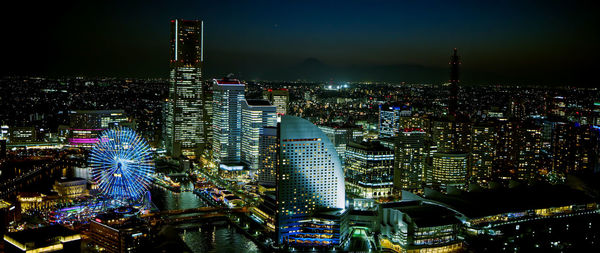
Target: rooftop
x: 41, y: 237
x: 228, y: 81
x: 423, y: 214
x: 477, y: 204
x: 368, y: 145
x: 258, y: 102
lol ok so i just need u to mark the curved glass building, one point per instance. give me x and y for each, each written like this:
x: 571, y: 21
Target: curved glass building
x: 310, y: 186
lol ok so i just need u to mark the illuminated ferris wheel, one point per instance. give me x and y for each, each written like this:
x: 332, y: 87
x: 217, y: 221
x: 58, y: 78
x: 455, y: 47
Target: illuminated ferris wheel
x: 122, y: 164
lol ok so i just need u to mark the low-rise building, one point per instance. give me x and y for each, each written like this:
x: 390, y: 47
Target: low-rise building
x: 71, y: 188
x: 117, y: 234
x: 54, y: 238
x: 417, y: 226
x: 538, y: 218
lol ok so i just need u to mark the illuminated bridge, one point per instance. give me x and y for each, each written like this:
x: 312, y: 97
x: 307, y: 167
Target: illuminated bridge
x: 197, y: 214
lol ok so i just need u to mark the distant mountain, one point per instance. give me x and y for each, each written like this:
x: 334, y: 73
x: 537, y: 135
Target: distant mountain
x: 256, y: 67
x: 315, y: 70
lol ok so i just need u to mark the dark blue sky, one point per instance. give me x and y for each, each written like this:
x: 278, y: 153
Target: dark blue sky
x: 500, y: 41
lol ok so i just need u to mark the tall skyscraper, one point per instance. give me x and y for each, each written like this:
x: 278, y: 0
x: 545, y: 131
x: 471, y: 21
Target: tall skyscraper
x: 481, y: 157
x: 279, y: 98
x: 454, y: 80
x: 310, y: 186
x: 451, y: 136
x: 369, y: 170
x: 575, y: 148
x: 184, y: 128
x: 409, y: 164
x: 529, y: 155
x: 256, y: 114
x: 506, y: 152
x: 228, y: 97
x: 207, y: 94
x: 268, y: 156
x: 449, y: 163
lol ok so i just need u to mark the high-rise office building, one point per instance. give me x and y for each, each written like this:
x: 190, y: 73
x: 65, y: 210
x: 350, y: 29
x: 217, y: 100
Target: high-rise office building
x: 451, y: 135
x: 228, y: 97
x: 86, y: 125
x: 310, y: 186
x: 268, y: 156
x: 481, y: 157
x: 449, y: 164
x: 575, y: 148
x: 369, y: 170
x: 340, y: 135
x: 390, y: 118
x: 184, y: 128
x: 506, y: 155
x: 97, y: 119
x: 279, y: 98
x: 529, y: 155
x: 256, y: 114
x: 449, y: 170
x: 409, y: 164
x: 207, y: 94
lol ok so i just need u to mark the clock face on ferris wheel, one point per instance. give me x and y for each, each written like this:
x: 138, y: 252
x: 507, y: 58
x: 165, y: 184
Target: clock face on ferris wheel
x: 121, y: 164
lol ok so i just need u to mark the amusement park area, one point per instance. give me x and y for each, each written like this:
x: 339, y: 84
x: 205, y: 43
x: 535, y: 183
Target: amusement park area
x: 119, y: 195
x: 122, y: 195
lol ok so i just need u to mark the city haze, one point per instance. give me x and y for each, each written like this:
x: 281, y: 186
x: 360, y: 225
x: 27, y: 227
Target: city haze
x: 541, y: 43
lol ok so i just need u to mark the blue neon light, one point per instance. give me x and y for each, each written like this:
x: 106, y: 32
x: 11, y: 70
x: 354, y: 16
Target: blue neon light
x: 121, y: 164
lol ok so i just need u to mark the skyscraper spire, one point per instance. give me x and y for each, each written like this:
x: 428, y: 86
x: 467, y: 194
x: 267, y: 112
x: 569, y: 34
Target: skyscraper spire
x: 454, y: 79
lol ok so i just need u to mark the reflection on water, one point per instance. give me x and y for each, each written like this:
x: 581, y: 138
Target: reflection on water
x: 168, y: 200
x: 218, y: 237
x: 207, y: 237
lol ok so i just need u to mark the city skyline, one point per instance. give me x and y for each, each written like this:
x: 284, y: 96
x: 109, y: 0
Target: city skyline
x: 245, y: 145
x: 541, y: 43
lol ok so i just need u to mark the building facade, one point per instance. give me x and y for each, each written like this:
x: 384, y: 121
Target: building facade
x: 268, y: 156
x: 280, y: 98
x: 340, y: 136
x: 184, y: 127
x: 415, y: 226
x: 481, y: 157
x: 310, y: 180
x: 228, y: 97
x: 256, y: 114
x: 369, y: 170
x: 390, y: 118
x: 409, y: 165
x: 449, y: 170
x: 54, y: 238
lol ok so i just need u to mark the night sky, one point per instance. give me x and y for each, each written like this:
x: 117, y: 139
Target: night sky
x: 545, y: 42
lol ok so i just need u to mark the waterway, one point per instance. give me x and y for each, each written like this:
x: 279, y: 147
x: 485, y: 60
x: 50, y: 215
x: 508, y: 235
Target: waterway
x: 213, y: 237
